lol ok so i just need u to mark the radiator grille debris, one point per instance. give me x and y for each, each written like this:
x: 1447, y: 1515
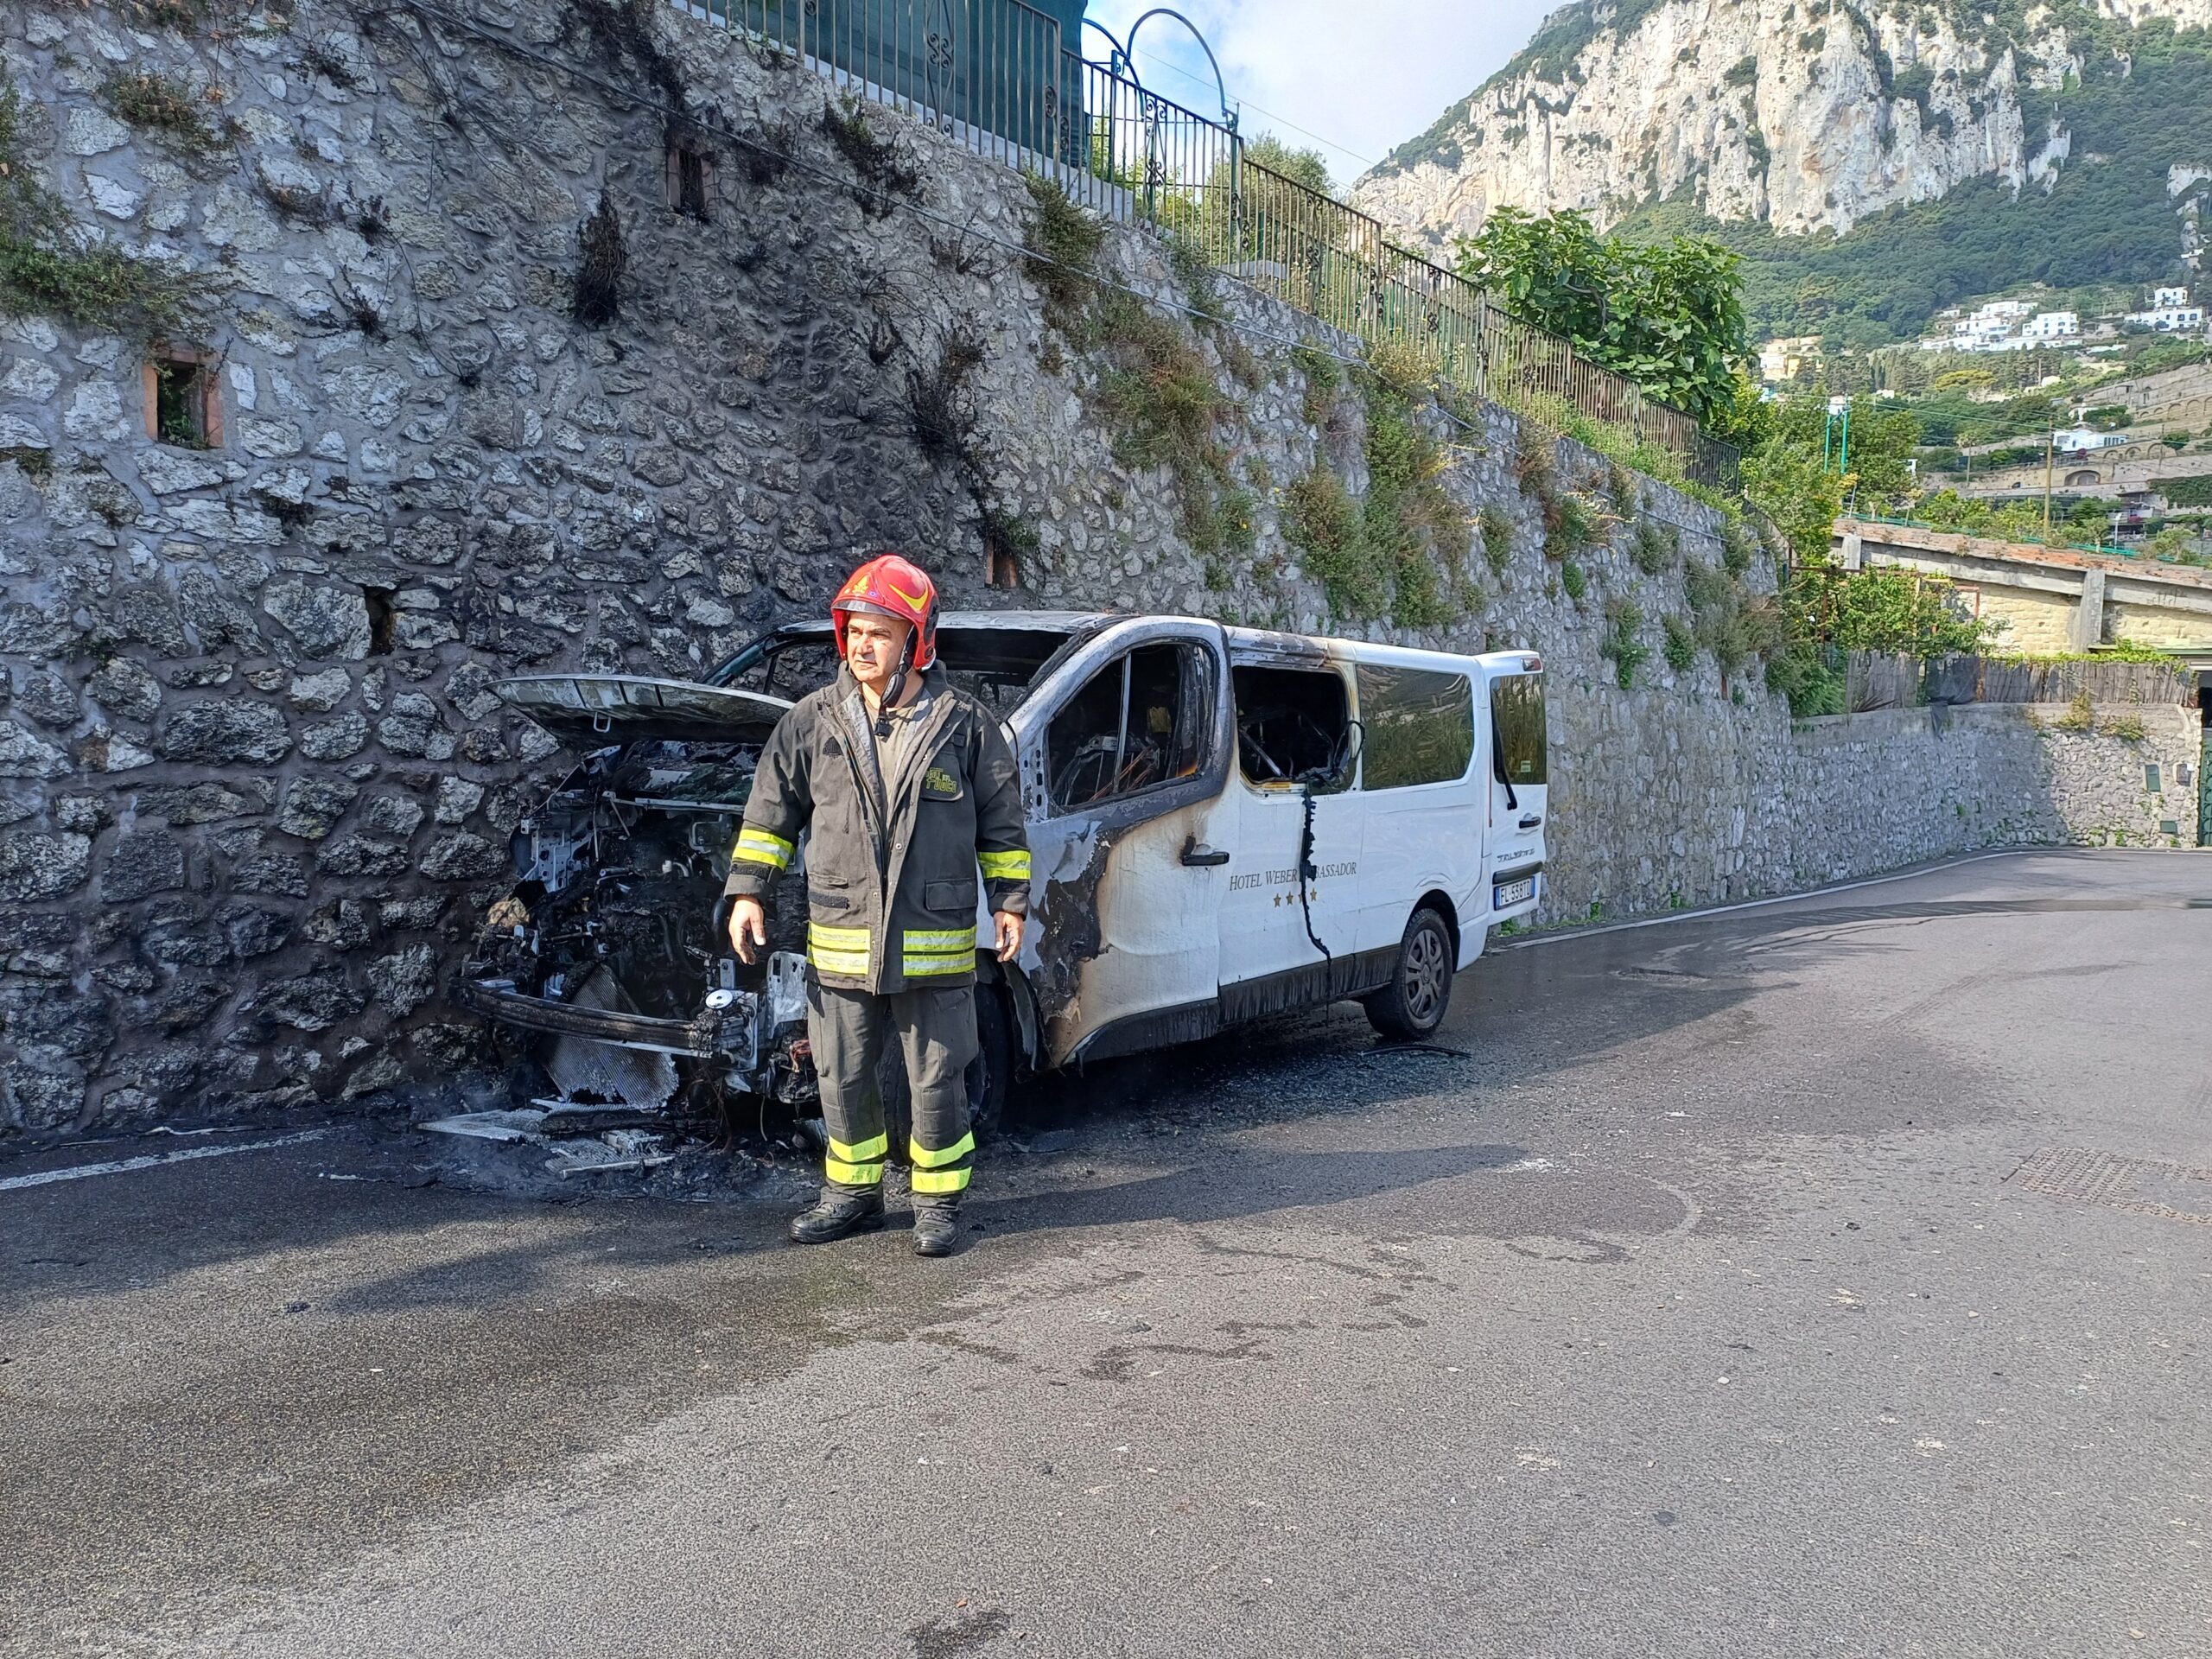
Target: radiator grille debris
x: 2143, y: 1187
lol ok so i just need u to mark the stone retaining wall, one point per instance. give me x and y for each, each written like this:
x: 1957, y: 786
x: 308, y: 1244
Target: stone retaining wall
x: 255, y: 788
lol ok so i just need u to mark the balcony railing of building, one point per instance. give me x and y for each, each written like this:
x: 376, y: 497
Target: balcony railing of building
x: 997, y: 76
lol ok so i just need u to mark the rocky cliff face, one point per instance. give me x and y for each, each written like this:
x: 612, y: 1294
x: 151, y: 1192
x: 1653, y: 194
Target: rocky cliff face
x: 1802, y: 116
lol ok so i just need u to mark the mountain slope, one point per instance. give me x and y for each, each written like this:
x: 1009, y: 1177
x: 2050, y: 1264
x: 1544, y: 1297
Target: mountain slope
x: 1984, y: 148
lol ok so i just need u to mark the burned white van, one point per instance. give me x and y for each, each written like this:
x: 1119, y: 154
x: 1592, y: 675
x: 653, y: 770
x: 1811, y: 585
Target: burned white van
x: 1227, y: 823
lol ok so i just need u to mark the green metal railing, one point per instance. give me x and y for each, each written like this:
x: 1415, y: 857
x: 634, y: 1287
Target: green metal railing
x: 996, y: 76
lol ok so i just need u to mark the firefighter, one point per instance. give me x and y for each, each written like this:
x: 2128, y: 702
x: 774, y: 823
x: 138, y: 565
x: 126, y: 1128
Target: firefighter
x: 904, y: 788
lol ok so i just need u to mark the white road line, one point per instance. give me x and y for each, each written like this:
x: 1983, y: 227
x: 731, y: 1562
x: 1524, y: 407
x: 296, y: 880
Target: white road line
x: 1566, y: 933
x: 81, y: 1172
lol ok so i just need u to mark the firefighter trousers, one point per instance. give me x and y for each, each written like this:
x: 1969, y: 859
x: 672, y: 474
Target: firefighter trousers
x: 936, y: 1033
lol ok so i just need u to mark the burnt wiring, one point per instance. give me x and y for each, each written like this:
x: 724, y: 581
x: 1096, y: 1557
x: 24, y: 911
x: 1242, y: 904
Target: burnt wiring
x: 1309, y: 871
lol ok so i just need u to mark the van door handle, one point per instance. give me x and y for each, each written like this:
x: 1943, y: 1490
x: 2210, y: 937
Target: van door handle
x: 1530, y: 821
x: 1200, y: 857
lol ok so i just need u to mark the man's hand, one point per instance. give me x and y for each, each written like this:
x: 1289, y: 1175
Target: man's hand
x: 749, y: 928
x: 1009, y: 927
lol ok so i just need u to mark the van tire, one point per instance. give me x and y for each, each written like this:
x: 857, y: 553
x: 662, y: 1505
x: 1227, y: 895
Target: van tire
x: 1412, y: 1005
x: 990, y: 1075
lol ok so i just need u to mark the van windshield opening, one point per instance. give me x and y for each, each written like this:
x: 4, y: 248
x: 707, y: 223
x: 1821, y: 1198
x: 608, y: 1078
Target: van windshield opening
x: 1294, y: 726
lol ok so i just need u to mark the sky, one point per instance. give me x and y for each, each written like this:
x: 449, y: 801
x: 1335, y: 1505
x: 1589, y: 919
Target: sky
x: 1351, y: 81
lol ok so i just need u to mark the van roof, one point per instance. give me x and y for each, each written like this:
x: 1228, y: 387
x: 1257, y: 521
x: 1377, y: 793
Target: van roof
x: 1290, y: 650
x: 1245, y: 645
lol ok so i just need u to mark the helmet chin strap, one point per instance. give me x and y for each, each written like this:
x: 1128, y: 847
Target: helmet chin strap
x: 896, y: 689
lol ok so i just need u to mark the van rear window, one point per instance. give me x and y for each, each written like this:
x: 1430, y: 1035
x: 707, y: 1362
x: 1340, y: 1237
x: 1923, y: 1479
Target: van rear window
x: 1516, y: 709
x: 1418, y: 726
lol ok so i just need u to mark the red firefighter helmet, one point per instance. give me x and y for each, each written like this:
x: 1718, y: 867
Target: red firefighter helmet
x: 891, y: 586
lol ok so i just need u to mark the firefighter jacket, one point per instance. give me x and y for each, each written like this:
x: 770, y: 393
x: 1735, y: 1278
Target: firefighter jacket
x: 891, y: 863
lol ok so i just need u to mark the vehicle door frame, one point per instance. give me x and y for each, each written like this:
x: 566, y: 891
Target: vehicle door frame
x: 1054, y: 958
x: 1502, y: 858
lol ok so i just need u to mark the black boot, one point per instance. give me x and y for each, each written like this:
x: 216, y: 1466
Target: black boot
x: 937, y: 1229
x: 840, y: 1210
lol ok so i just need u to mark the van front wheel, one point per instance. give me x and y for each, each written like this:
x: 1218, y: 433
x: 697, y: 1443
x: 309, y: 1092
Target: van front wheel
x: 1411, y: 1007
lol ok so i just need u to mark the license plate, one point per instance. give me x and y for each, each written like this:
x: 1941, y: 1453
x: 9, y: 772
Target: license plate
x: 1513, y: 892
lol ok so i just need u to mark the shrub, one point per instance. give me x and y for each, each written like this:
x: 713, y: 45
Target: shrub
x: 1738, y: 547
x: 1622, y: 642
x: 1571, y: 579
x: 2128, y: 728
x: 1497, y: 538
x: 2080, y: 716
x: 1063, y: 243
x: 1572, y: 524
x: 164, y: 107
x: 1324, y: 522
x: 1681, y: 647
x: 1656, y: 546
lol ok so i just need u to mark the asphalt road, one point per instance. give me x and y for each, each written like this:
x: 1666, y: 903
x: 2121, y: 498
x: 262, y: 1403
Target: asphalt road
x: 1732, y: 1296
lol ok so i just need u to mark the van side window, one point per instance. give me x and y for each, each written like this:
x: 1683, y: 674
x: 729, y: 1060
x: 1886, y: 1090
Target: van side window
x: 1418, y: 726
x: 1517, y: 711
x: 1139, y: 721
x: 1293, y: 725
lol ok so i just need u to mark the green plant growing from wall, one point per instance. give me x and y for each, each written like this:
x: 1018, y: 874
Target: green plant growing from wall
x: 1159, y: 395
x: 48, y: 267
x: 1325, y: 380
x: 1656, y: 547
x: 164, y: 107
x: 1402, y: 551
x: 1738, y: 547
x: 1410, y: 519
x: 2081, y: 715
x: 1679, y: 648
x: 1497, y: 538
x: 1622, y: 642
x: 1573, y: 582
x: 1575, y: 524
x: 2128, y: 728
x: 1063, y: 243
x: 1322, y: 521
x: 1620, y: 485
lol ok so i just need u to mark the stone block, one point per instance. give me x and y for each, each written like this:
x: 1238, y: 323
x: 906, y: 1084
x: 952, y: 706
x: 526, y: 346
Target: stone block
x: 35, y: 866
x: 457, y: 855
x: 313, y: 806
x: 328, y: 621
x: 125, y: 689
x: 403, y: 982
x: 335, y: 739
x: 218, y: 733
x: 309, y: 1002
x: 141, y: 865
x: 24, y: 753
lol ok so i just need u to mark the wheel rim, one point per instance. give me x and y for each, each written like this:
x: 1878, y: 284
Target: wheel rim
x: 1426, y: 976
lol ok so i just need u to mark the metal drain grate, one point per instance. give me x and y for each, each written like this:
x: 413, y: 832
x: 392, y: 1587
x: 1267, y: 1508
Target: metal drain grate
x: 2144, y: 1186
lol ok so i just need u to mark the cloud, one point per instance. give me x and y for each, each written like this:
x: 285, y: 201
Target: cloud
x: 1351, y: 81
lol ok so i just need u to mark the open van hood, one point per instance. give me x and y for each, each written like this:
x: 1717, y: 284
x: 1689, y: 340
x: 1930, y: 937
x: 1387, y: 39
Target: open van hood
x: 591, y: 711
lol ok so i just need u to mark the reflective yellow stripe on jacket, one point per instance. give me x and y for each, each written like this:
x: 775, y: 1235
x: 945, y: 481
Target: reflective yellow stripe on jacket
x: 758, y: 847
x: 1004, y: 867
x: 927, y: 951
x: 859, y: 1164
x: 840, y: 950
